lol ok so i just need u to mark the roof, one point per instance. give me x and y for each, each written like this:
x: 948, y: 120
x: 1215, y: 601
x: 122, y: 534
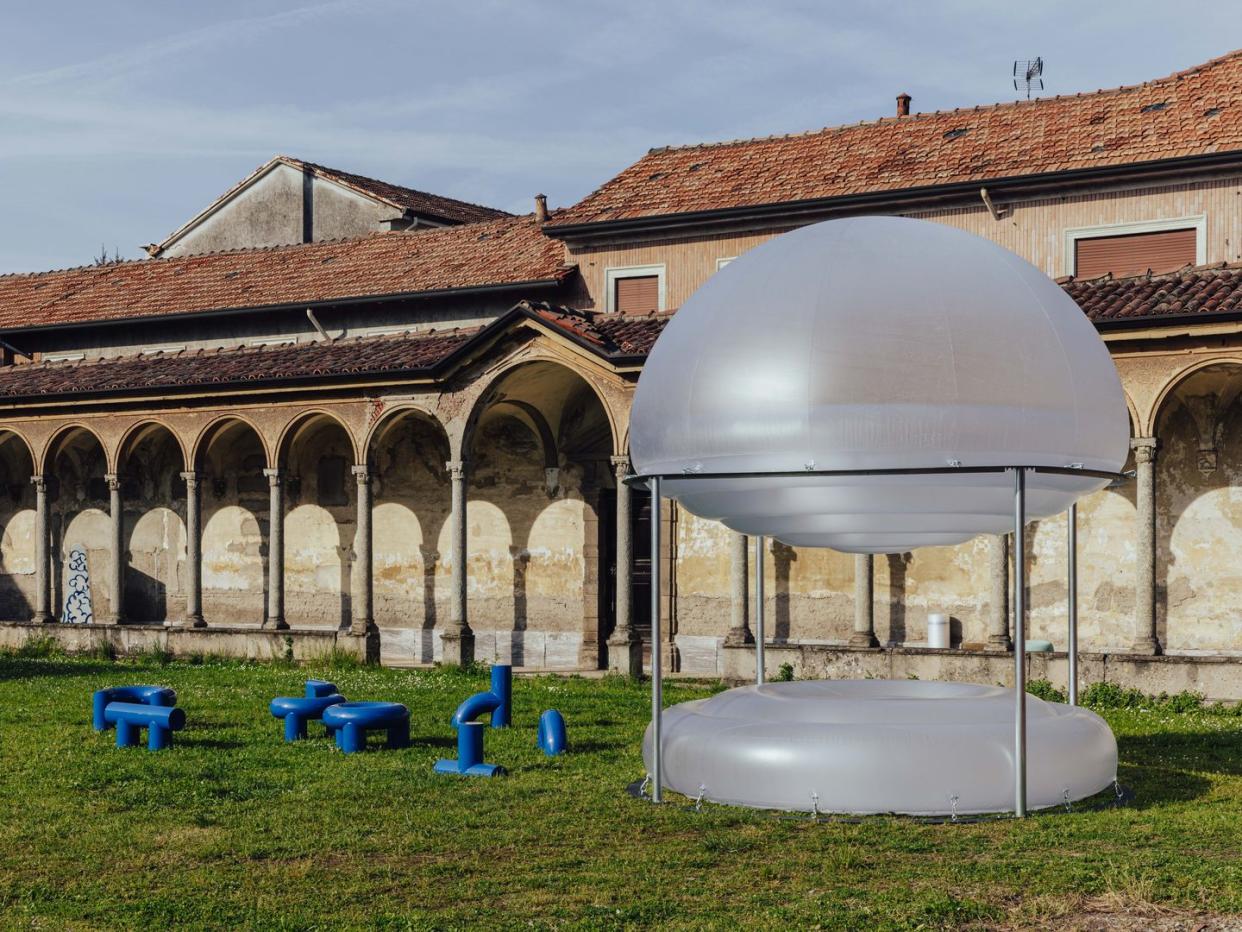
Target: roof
x: 1191, y: 292
x: 1193, y: 112
x: 616, y: 338
x: 501, y: 253
x: 401, y: 199
x: 422, y: 203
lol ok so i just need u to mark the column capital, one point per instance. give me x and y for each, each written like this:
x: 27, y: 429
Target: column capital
x: 274, y: 476
x: 1144, y: 449
x: 39, y: 482
x: 362, y: 473
x: 114, y: 481
x: 620, y: 465
x: 456, y: 468
x: 190, y: 476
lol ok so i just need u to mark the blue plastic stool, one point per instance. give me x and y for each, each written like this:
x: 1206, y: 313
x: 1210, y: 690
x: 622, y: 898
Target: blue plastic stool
x: 352, y: 720
x: 552, y: 733
x: 159, y: 721
x: 144, y: 695
x: 297, y: 711
x: 469, y: 761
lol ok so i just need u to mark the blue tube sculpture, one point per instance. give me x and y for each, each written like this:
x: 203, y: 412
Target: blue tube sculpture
x: 469, y: 761
x: 130, y: 717
x: 145, y: 695
x: 552, y: 733
x: 498, y: 700
x: 352, y: 720
x: 297, y: 711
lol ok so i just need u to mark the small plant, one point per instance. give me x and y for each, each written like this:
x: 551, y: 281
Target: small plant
x: 105, y: 650
x: 1042, y: 689
x: 288, y: 649
x: 40, y: 647
x: 157, y: 655
x: 785, y: 674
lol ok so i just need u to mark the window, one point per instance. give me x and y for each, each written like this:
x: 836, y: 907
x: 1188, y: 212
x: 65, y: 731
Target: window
x: 1133, y: 248
x: 721, y: 263
x: 635, y: 290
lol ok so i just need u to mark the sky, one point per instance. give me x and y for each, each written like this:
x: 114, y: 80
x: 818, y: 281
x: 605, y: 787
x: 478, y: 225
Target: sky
x: 121, y: 120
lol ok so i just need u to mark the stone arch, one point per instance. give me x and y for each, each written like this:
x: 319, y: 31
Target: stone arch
x: 1171, y: 385
x: 309, y: 420
x: 212, y: 429
x: 75, y: 465
x: 539, y: 440
x: 486, y: 396
x: 54, y: 444
x: 408, y: 449
x: 1198, y: 420
x: 18, y: 547
x: 316, y: 453
x: 231, y: 456
x: 150, y: 459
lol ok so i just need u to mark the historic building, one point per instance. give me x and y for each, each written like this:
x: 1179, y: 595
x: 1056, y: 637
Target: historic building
x: 334, y: 411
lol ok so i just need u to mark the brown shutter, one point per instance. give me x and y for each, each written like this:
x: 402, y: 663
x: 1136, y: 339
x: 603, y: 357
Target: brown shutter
x: 1134, y: 254
x: 637, y: 295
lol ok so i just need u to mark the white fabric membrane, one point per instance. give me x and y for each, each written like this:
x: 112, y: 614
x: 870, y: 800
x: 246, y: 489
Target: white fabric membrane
x: 877, y: 343
x: 871, y: 746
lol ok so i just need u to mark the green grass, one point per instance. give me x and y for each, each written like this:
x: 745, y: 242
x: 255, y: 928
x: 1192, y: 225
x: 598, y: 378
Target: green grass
x: 233, y: 828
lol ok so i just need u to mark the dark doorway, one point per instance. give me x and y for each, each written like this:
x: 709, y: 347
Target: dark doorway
x: 640, y: 575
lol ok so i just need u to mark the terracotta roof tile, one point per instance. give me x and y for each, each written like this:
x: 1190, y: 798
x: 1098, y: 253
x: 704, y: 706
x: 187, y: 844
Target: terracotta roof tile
x: 509, y: 251
x: 1193, y: 112
x: 1202, y: 290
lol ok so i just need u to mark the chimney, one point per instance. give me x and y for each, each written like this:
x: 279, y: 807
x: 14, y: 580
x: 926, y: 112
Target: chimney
x: 541, y: 208
x: 903, y: 105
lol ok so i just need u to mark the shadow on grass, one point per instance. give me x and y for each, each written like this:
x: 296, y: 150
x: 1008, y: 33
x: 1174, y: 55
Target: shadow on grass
x: 1169, y: 767
x: 12, y: 668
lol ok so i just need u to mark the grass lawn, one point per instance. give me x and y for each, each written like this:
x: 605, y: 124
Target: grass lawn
x: 233, y: 828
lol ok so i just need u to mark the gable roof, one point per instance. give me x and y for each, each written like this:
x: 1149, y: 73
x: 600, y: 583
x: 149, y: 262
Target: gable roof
x: 1197, y: 112
x: 402, y: 200
x: 504, y: 253
x: 1194, y: 293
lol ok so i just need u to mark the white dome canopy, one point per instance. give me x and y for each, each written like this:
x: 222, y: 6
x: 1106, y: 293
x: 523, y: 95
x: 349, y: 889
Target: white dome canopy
x: 877, y: 343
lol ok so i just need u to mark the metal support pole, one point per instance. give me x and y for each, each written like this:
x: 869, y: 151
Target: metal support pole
x: 760, y: 547
x: 657, y: 674
x: 1019, y: 642
x: 1071, y: 545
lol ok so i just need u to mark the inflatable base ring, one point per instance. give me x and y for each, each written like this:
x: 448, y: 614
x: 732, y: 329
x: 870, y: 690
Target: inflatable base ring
x: 880, y: 746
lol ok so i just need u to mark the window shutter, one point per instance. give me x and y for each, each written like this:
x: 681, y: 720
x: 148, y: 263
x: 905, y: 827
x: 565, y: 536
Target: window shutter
x: 1134, y: 254
x: 637, y: 295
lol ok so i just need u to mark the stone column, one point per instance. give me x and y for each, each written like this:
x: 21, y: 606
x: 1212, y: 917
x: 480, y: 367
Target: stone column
x: 43, y: 588
x: 193, y: 553
x: 116, y: 610
x: 864, y: 605
x: 739, y: 589
x: 625, y: 650
x: 275, y: 551
x: 998, y: 573
x: 1145, y: 641
x: 457, y: 641
x: 361, y: 599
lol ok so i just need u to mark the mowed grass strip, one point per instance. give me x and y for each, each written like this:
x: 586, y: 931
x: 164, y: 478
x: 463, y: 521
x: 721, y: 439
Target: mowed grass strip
x: 235, y: 828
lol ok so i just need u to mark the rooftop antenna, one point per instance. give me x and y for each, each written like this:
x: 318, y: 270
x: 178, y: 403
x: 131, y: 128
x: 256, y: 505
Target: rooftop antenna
x: 1029, y: 72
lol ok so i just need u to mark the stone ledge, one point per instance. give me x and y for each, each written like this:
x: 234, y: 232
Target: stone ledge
x: 1217, y: 678
x: 234, y: 641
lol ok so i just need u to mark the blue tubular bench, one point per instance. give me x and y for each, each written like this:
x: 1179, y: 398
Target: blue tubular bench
x: 297, y: 711
x: 144, y: 695
x: 352, y: 720
x: 130, y: 717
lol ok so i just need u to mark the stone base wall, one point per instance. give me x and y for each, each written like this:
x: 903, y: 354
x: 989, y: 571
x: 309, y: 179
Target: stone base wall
x: 243, y: 643
x: 1217, y: 678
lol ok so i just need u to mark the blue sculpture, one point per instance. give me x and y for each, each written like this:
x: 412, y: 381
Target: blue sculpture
x: 469, y: 761
x: 297, y: 711
x: 132, y: 708
x: 552, y: 733
x: 352, y: 720
x: 498, y: 701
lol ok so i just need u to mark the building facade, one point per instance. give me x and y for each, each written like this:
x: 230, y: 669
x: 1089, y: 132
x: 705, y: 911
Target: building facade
x: 409, y: 442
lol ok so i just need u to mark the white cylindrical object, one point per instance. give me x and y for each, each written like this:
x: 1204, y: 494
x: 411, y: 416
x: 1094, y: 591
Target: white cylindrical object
x: 937, y: 630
